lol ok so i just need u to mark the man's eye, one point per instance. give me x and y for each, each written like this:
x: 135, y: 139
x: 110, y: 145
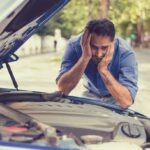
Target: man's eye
x: 94, y: 47
x: 104, y: 47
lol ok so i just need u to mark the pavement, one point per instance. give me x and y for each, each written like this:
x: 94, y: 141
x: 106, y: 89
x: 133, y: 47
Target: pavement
x: 142, y: 102
x: 38, y: 73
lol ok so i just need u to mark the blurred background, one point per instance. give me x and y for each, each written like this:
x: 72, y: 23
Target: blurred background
x: 131, y: 19
x: 41, y: 55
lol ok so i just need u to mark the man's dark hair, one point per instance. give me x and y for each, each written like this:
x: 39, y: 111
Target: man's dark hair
x: 102, y: 27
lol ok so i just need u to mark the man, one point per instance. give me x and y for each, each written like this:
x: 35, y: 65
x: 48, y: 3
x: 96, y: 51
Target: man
x: 108, y: 64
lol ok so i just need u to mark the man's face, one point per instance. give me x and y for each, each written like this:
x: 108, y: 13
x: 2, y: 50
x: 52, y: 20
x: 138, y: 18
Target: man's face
x: 99, y: 46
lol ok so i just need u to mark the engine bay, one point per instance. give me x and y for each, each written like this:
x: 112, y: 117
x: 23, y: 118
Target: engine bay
x: 62, y: 120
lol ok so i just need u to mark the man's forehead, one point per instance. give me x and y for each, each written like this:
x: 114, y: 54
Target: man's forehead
x: 101, y: 45
x: 100, y: 40
x: 95, y: 35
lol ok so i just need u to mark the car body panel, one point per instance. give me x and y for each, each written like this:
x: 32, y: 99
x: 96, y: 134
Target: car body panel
x: 83, y: 119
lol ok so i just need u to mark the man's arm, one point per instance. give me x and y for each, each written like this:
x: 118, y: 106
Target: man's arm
x: 69, y: 80
x: 118, y: 91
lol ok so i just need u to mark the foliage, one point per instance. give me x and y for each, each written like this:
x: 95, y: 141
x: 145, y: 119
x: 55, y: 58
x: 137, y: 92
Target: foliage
x: 126, y: 15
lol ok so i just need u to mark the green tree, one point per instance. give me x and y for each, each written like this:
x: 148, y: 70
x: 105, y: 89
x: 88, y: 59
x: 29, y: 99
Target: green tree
x: 104, y: 8
x: 129, y: 16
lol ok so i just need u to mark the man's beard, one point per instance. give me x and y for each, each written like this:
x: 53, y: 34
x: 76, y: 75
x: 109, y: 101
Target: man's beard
x: 97, y: 60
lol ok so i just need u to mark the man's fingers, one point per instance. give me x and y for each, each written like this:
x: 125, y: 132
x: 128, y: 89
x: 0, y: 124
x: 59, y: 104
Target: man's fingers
x: 85, y: 37
x: 89, y: 39
x: 111, y: 52
x: 107, y: 56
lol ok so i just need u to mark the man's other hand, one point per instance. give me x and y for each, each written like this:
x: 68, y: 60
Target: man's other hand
x: 103, y: 64
x: 85, y: 45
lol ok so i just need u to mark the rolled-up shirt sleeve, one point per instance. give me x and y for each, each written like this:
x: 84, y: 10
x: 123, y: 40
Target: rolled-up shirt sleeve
x: 128, y: 75
x: 68, y: 61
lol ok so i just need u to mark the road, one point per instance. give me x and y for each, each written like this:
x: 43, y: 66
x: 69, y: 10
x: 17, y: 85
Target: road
x: 142, y: 102
x: 39, y: 72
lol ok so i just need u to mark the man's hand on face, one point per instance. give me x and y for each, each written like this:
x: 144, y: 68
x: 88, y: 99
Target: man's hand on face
x: 85, y: 45
x: 103, y: 64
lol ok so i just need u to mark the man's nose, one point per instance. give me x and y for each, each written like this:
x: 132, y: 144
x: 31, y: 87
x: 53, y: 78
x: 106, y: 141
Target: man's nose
x: 99, y: 53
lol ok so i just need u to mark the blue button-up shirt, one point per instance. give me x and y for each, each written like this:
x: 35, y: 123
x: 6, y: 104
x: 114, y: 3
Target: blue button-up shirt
x: 123, y: 67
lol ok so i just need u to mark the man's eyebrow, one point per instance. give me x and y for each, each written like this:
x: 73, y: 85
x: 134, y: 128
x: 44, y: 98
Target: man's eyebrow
x: 93, y: 45
x: 101, y: 46
x: 104, y: 46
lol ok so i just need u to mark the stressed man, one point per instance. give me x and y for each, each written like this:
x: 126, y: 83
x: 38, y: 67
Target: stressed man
x: 107, y: 63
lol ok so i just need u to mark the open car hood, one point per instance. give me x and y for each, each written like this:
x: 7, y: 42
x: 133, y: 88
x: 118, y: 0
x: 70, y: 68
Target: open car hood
x: 19, y: 20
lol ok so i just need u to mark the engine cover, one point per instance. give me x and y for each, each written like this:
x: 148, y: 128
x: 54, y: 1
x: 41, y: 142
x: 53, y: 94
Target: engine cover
x: 86, y: 119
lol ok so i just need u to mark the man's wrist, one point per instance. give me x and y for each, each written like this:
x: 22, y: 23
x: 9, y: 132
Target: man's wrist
x: 85, y: 59
x: 105, y: 74
x: 104, y: 71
